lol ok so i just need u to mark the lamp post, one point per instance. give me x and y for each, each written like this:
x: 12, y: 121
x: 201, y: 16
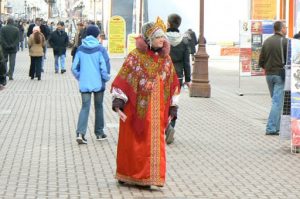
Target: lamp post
x: 81, y: 6
x: 141, y: 15
x: 25, y: 6
x: 200, y: 86
x: 50, y: 3
x: 0, y: 10
x: 95, y: 11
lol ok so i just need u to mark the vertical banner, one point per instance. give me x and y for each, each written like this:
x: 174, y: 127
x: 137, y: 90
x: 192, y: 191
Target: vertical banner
x: 295, y: 94
x: 256, y: 45
x: 245, y: 61
x: 245, y: 48
x: 116, y: 38
x: 263, y: 9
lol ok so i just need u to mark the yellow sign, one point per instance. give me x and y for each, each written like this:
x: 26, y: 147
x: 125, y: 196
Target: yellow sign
x: 264, y: 9
x: 131, y: 42
x: 116, y: 37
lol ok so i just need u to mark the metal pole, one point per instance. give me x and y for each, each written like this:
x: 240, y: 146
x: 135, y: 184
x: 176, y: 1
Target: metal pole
x: 25, y: 9
x: 141, y: 16
x: 95, y: 11
x: 102, y: 14
x: 49, y: 8
x: 0, y: 10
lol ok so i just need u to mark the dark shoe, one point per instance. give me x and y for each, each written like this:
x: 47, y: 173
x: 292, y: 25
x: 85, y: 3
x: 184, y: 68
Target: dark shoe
x: 11, y: 78
x: 272, y: 133
x: 31, y: 78
x: 56, y: 71
x: 121, y: 182
x: 143, y: 186
x: 81, y: 139
x: 170, y: 131
x: 63, y: 71
x: 101, y: 137
x: 39, y: 78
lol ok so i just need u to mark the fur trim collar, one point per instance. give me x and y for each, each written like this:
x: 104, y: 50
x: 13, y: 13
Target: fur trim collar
x: 142, y: 46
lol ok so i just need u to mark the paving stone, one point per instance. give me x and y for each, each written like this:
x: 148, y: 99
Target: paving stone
x: 220, y: 150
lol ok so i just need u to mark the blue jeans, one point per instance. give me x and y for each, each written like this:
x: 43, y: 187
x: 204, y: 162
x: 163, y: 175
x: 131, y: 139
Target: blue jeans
x: 276, y: 89
x: 62, y: 59
x: 84, y: 113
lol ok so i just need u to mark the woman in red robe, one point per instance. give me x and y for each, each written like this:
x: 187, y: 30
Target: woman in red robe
x: 145, y: 94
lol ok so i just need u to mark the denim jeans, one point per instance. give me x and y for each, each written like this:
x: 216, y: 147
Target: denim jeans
x: 84, y: 113
x: 61, y: 59
x: 276, y: 89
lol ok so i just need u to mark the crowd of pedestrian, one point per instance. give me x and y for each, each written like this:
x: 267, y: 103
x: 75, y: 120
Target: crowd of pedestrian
x: 15, y: 35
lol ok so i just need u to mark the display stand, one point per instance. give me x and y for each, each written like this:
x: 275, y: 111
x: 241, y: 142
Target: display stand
x: 252, y: 34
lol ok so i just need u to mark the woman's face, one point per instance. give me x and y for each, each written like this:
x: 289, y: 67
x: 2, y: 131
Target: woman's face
x: 158, y: 42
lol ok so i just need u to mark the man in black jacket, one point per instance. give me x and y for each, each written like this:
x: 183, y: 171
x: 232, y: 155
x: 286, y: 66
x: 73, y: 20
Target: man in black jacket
x: 59, y: 41
x: 272, y: 59
x: 180, y: 56
x: 9, y: 40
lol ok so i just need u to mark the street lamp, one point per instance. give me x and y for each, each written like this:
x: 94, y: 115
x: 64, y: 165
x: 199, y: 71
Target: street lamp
x: 200, y: 86
x: 81, y: 6
x: 1, y: 10
x: 25, y: 4
x: 95, y: 11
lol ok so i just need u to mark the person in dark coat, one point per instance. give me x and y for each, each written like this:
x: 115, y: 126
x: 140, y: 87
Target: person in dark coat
x: 44, y: 29
x: 2, y: 70
x: 297, y: 36
x: 191, y: 36
x: 272, y: 59
x: 59, y: 41
x: 180, y: 56
x: 9, y: 40
x: 21, y: 35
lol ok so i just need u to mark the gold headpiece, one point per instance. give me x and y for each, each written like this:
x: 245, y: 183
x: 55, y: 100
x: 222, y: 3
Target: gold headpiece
x: 159, y: 24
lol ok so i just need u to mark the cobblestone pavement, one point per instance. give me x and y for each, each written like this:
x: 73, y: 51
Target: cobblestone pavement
x: 220, y: 150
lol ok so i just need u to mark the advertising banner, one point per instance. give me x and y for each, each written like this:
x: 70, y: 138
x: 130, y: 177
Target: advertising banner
x: 116, y: 38
x: 245, y: 61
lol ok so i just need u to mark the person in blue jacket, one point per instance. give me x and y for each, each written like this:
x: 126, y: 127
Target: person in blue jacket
x: 91, y: 67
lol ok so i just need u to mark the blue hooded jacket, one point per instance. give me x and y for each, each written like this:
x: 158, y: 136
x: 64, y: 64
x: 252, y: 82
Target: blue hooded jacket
x: 91, y: 65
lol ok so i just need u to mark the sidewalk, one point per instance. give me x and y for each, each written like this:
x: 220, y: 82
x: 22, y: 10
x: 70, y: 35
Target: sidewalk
x: 220, y: 150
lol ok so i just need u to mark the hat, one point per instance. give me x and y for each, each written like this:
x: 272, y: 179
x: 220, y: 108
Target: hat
x: 151, y: 29
x: 174, y: 20
x: 92, y: 30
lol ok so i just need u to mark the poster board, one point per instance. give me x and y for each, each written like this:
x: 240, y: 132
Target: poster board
x: 252, y: 35
x: 116, y: 37
x: 263, y: 9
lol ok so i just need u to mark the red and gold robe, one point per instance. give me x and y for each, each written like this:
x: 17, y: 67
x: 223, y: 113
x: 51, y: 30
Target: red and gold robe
x: 149, y: 81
